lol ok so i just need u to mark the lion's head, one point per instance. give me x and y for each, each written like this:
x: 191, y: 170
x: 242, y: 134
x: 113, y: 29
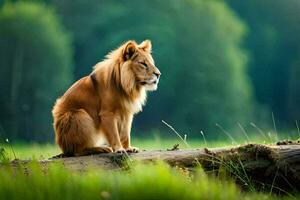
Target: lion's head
x: 137, y: 68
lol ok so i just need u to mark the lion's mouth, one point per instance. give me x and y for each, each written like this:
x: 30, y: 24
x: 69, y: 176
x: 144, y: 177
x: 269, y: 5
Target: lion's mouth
x: 151, y: 82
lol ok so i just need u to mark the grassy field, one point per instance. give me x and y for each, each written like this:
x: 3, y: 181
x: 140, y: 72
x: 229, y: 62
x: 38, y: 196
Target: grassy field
x: 140, y: 182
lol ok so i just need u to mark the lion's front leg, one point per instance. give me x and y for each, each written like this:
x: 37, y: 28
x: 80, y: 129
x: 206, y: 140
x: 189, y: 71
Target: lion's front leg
x: 109, y: 128
x: 125, y: 135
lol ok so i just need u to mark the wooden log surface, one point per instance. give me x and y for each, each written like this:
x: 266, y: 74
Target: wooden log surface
x: 266, y: 166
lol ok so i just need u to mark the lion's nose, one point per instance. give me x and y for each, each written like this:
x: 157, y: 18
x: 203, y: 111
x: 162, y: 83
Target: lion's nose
x: 157, y: 74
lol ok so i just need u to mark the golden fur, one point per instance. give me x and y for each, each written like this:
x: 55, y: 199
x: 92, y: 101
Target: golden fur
x: 101, y: 105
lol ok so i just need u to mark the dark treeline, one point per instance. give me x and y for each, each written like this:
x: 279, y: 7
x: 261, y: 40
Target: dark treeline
x: 222, y: 62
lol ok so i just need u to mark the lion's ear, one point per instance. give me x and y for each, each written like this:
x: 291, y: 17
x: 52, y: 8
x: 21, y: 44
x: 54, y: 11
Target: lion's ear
x: 146, y: 46
x: 130, y: 49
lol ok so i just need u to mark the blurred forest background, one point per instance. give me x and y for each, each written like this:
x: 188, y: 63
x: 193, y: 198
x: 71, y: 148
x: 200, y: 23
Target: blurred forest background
x: 222, y: 61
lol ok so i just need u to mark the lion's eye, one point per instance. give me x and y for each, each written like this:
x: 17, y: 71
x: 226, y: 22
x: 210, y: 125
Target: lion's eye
x: 144, y: 64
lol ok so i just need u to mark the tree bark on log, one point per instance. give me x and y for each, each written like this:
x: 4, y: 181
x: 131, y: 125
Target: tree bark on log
x: 267, y: 167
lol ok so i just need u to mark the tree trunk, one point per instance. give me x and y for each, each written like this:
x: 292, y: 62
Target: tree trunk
x: 259, y: 166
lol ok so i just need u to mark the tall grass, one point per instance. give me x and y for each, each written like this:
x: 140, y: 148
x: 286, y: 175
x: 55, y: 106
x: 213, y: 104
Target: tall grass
x: 151, y: 181
x: 141, y: 182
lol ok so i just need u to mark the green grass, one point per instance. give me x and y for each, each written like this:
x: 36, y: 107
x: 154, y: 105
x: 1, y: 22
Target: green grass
x: 149, y: 181
x: 140, y: 182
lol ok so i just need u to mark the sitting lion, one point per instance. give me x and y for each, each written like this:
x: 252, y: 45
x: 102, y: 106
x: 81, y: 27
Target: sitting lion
x: 100, y: 107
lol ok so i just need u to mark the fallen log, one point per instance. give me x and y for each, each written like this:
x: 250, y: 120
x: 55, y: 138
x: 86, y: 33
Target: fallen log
x: 275, y: 167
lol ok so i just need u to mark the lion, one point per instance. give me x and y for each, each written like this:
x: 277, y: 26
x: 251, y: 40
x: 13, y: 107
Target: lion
x: 98, y: 109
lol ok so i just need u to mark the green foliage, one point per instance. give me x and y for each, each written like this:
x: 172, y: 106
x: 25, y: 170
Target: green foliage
x: 35, y: 60
x: 273, y: 43
x: 211, y: 72
x: 3, y: 155
x: 294, y: 93
x: 141, y: 182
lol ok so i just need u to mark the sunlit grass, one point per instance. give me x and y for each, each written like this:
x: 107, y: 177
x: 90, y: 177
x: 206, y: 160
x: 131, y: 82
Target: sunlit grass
x: 140, y: 182
x: 31, y: 150
x: 149, y: 181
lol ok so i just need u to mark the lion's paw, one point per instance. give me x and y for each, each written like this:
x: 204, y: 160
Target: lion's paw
x: 132, y: 150
x: 120, y: 150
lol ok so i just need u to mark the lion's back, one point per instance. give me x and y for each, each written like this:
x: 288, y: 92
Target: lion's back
x: 80, y: 95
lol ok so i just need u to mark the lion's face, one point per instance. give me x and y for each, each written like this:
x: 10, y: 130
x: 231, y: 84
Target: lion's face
x: 139, y: 65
